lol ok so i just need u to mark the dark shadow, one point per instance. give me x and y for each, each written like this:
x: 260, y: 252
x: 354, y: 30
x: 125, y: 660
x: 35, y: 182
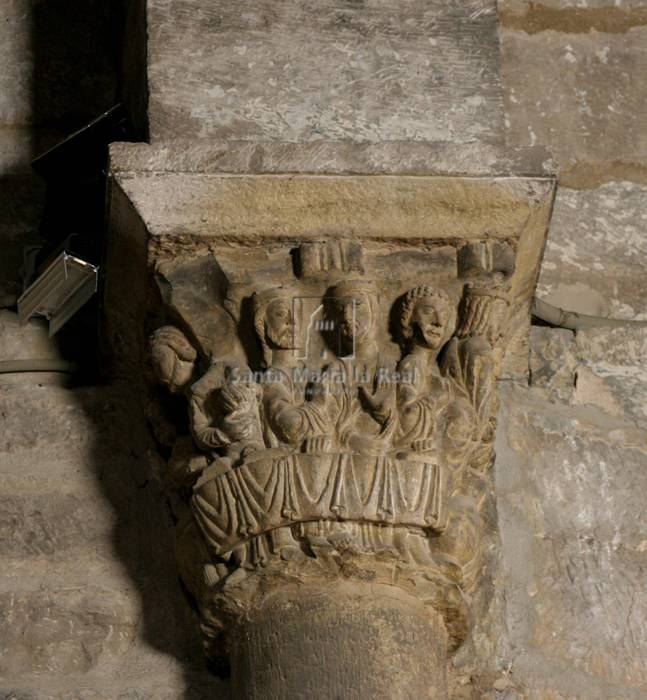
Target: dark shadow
x: 89, y: 55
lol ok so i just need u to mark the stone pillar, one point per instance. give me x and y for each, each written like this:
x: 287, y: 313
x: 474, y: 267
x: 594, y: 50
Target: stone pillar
x: 343, y: 641
x: 328, y: 348
x: 339, y: 256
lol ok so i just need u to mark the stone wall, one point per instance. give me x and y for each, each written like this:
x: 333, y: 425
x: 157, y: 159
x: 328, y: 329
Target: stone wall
x: 85, y: 540
x: 575, y: 80
x: 571, y: 456
x: 91, y: 604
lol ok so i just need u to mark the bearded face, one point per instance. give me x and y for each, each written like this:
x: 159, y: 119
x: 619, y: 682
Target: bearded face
x: 354, y: 319
x: 429, y: 320
x: 279, y: 324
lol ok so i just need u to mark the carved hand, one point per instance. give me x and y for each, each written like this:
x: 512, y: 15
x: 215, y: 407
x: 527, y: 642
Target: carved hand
x: 239, y: 428
x: 381, y: 403
x: 317, y: 444
x: 231, y: 396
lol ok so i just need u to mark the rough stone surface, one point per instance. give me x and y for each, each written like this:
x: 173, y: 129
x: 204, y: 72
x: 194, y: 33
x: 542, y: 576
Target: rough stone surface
x: 571, y: 484
x: 612, y: 371
x: 594, y: 258
x: 553, y: 360
x: 342, y: 636
x: 377, y: 207
x: 28, y: 342
x: 91, y: 608
x: 601, y: 367
x: 573, y: 16
x: 78, y: 488
x: 330, y: 157
x: 581, y: 95
x: 333, y: 69
x: 63, y: 631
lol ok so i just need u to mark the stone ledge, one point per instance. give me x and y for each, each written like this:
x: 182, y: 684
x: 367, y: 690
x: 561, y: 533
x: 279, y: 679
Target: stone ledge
x: 331, y: 157
x: 413, y: 208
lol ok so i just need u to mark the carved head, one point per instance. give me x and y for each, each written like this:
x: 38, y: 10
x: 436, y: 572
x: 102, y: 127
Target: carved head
x: 173, y: 357
x: 355, y: 306
x: 424, y: 316
x: 274, y: 320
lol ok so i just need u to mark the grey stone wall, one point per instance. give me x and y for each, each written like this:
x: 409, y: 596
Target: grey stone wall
x: 90, y: 607
x: 572, y: 465
x: 575, y: 80
x: 324, y: 69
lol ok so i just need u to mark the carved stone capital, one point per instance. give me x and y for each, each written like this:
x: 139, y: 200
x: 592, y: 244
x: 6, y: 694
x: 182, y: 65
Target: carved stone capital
x: 334, y: 343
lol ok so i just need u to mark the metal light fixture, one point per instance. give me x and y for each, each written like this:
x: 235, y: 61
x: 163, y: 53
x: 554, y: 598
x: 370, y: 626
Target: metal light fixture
x: 59, y: 292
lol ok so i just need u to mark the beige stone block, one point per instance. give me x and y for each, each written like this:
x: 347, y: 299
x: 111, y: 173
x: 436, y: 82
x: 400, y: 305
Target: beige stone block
x: 302, y: 206
x: 299, y: 72
x: 572, y: 16
x: 581, y: 95
x: 594, y: 257
x: 574, y: 542
x: 42, y: 425
x: 209, y: 155
x: 37, y: 521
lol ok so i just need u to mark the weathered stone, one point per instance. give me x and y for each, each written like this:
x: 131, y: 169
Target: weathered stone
x: 564, y: 90
x: 46, y: 522
x: 156, y: 685
x: 612, y: 371
x: 364, y: 71
x: 85, y: 520
x: 282, y: 482
x: 343, y: 636
x: 593, y: 261
x: 42, y: 425
x: 15, y: 83
x: 553, y: 360
x: 570, y: 483
x: 330, y: 157
x: 78, y: 487
x: 63, y: 631
x: 28, y: 342
x: 298, y: 206
x: 572, y: 16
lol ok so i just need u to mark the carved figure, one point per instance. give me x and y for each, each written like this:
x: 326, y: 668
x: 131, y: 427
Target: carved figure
x: 224, y: 409
x: 422, y: 392
x: 357, y: 389
x: 173, y: 358
x: 288, y: 419
x: 471, y: 360
x: 362, y: 460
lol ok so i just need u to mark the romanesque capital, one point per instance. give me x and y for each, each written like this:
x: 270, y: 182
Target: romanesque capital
x: 327, y: 387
